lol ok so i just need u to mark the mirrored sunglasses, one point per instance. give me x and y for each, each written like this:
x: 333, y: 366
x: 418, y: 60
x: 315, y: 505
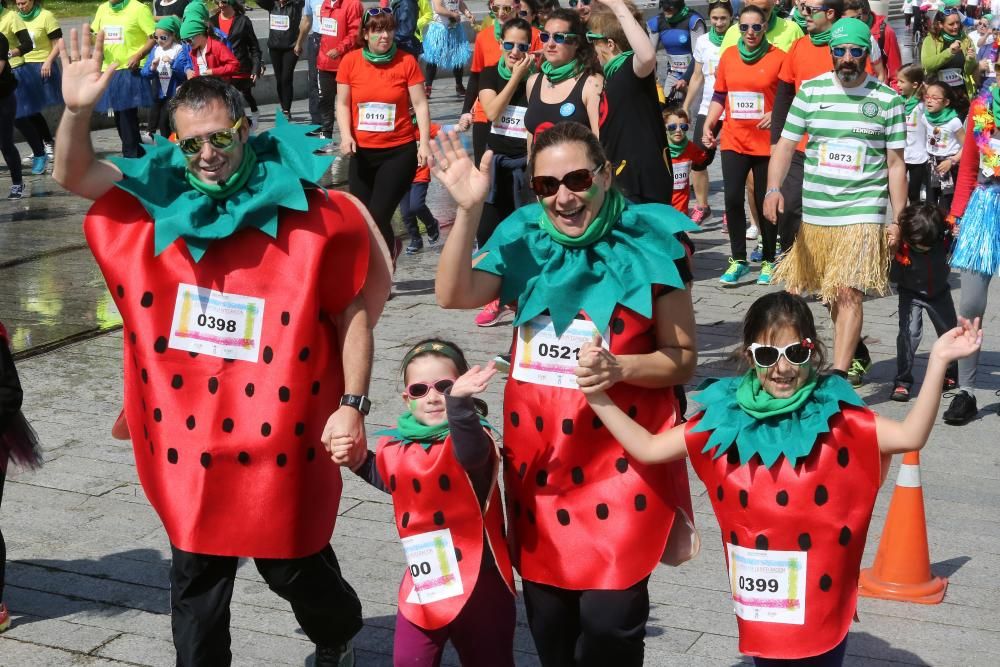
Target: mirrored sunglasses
x: 672, y: 127
x: 574, y: 3
x: 855, y: 51
x: 755, y: 27
x: 510, y: 46
x: 558, y: 37
x: 224, y: 140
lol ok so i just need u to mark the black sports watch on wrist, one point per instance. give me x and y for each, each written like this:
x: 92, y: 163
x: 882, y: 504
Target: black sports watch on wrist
x: 359, y: 403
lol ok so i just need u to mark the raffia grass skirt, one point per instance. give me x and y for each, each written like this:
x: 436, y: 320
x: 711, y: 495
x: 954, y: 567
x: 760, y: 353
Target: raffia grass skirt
x: 825, y: 260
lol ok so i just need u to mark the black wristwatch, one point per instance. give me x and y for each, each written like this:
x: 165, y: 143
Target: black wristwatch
x: 359, y: 403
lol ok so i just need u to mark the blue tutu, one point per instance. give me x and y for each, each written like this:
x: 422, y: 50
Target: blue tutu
x: 445, y: 46
x: 128, y: 90
x: 977, y: 248
x: 30, y: 99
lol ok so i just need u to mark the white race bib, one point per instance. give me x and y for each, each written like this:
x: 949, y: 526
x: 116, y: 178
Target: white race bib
x: 541, y: 357
x: 433, y: 567
x: 280, y: 23
x: 746, y: 105
x: 376, y: 117
x: 679, y: 63
x: 114, y: 34
x: 913, y: 119
x: 768, y: 586
x: 511, y: 123
x: 217, y: 324
x: 951, y: 77
x: 711, y: 65
x: 682, y: 171
x: 846, y: 157
x: 328, y: 26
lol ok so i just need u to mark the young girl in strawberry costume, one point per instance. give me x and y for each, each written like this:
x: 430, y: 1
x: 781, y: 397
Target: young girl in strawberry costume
x: 441, y: 465
x: 792, y: 461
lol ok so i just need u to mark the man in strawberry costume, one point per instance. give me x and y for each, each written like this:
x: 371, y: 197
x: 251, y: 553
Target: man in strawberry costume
x: 248, y: 296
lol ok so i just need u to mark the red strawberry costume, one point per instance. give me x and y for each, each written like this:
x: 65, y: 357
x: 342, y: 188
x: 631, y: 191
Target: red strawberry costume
x: 793, y: 495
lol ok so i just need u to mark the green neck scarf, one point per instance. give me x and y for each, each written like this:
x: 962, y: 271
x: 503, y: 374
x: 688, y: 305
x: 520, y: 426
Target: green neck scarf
x: 559, y: 74
x: 498, y: 30
x: 910, y: 103
x: 760, y: 405
x: 615, y: 63
x: 950, y: 39
x: 798, y: 18
x: 995, y: 102
x: 503, y: 69
x: 781, y: 429
x: 118, y: 6
x: 751, y: 56
x: 379, y: 59
x: 820, y: 38
x: 679, y: 16
x: 772, y: 20
x: 716, y: 37
x: 30, y: 16
x: 940, y: 117
x: 233, y: 183
x: 409, y: 430
x: 677, y: 149
x: 611, y: 210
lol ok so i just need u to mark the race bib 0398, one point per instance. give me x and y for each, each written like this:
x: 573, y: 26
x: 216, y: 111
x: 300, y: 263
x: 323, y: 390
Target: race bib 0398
x: 216, y: 324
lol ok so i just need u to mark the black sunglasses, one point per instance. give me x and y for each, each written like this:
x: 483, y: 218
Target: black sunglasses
x: 766, y: 356
x: 420, y: 389
x: 163, y: 38
x: 558, y: 37
x: 574, y: 3
x: 510, y: 46
x: 578, y: 180
x: 756, y: 27
x: 672, y: 127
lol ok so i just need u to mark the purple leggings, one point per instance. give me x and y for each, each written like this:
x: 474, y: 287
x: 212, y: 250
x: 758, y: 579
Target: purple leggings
x: 482, y: 633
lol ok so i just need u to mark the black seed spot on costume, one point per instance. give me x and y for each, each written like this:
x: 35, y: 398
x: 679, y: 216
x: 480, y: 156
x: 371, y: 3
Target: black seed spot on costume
x: 567, y: 426
x: 172, y: 455
x: 602, y: 511
x: 268, y: 354
x: 392, y: 482
x: 249, y: 389
x: 405, y: 521
x: 285, y: 318
x: 265, y: 429
x: 147, y: 299
x: 523, y: 470
x: 458, y: 554
x: 845, y: 536
x: 193, y: 355
x: 761, y: 543
x: 621, y: 465
x: 190, y: 422
x: 284, y: 394
x: 843, y: 457
x: 144, y: 375
x: 177, y: 382
x: 618, y: 325
x: 160, y: 345
x: 805, y: 542
x: 719, y: 493
x: 577, y: 475
x: 157, y: 415
x: 281, y: 460
x: 303, y: 354
x: 150, y: 446
x: 145, y: 432
x: 439, y: 518
x: 539, y: 424
x: 541, y: 478
x: 732, y: 538
x: 515, y: 419
x: 227, y: 425
x: 311, y: 454
x: 733, y: 457
x: 825, y: 582
x: 640, y: 502
x: 517, y: 510
x: 416, y: 485
x: 300, y: 428
x: 597, y: 423
x: 131, y: 337
x: 633, y: 411
x: 744, y: 498
x: 315, y: 388
x: 120, y: 291
x: 530, y: 515
x: 213, y: 385
x: 243, y: 458
x: 206, y: 459
x: 563, y: 517
x: 444, y: 483
x: 822, y: 495
x: 781, y: 498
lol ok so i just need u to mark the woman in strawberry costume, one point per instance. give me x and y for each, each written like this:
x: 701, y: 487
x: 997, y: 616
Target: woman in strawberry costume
x: 792, y: 461
x: 588, y: 523
x: 248, y: 295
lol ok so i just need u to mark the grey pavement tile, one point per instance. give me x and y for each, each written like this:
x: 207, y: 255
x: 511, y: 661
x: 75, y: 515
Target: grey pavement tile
x: 15, y: 653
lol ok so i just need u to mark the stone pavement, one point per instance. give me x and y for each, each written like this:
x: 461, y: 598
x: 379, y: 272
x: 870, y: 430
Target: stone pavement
x: 88, y: 560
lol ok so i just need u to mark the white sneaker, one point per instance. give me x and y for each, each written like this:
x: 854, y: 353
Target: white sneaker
x: 338, y: 170
x: 752, y: 233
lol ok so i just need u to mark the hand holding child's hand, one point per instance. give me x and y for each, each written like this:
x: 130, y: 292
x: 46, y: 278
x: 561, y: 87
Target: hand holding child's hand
x: 344, y: 453
x: 960, y: 342
x: 474, y: 381
x: 598, y: 369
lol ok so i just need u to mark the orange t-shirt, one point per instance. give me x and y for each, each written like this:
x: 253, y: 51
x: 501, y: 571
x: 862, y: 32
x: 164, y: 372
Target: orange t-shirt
x: 486, y: 53
x: 691, y: 155
x: 380, y: 98
x: 423, y: 174
x: 749, y: 91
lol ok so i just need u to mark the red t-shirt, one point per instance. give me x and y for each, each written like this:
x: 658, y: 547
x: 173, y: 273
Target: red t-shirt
x: 691, y: 156
x: 380, y: 98
x: 225, y: 24
x: 750, y: 89
x: 486, y: 52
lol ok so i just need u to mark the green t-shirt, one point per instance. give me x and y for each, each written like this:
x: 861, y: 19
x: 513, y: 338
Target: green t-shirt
x: 39, y: 29
x: 10, y: 25
x: 125, y: 32
x: 850, y: 130
x: 783, y: 35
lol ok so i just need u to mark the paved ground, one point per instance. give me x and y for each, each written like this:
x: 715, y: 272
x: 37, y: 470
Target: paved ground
x: 87, y: 577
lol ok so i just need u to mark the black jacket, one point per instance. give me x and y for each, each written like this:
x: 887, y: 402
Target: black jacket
x: 243, y: 43
x: 927, y: 273
x: 283, y: 39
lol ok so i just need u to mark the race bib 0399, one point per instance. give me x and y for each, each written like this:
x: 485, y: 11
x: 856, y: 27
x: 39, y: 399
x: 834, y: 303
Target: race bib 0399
x: 768, y: 586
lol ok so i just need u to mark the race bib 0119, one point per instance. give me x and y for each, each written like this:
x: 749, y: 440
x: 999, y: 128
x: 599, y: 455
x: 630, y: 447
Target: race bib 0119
x: 433, y: 567
x: 376, y: 117
x: 541, y: 357
x: 216, y: 324
x: 768, y: 586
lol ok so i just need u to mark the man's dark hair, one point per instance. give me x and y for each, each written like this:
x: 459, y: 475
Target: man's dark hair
x: 857, y: 6
x: 201, y: 92
x: 837, y: 6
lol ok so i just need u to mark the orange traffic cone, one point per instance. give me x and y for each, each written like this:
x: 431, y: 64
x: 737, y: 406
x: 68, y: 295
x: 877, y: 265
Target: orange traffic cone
x: 902, y: 569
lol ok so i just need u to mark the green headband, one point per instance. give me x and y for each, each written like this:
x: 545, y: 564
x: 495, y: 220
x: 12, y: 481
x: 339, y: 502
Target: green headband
x: 850, y: 31
x: 169, y: 24
x: 436, y: 347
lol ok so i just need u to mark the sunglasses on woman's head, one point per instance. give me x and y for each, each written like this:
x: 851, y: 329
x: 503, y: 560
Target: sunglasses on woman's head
x: 949, y: 12
x: 797, y: 354
x: 672, y: 127
x: 578, y: 180
x: 855, y: 51
x: 574, y: 3
x: 224, y: 140
x: 558, y: 37
x: 755, y: 27
x: 375, y: 11
x: 595, y: 37
x: 510, y: 46
x: 420, y: 389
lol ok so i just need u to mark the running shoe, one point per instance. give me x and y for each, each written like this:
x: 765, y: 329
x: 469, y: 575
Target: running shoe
x: 757, y: 254
x: 900, y: 394
x: 490, y: 314
x: 16, y: 191
x: 962, y: 409
x: 288, y: 116
x: 734, y: 273
x: 766, y: 269
x: 318, y: 132
x: 502, y: 362
x: 50, y: 149
x: 432, y: 239
x: 338, y: 170
x: 328, y: 149
x: 752, y: 233
x: 856, y: 373
x: 460, y: 90
x: 335, y: 656
x: 39, y: 164
x: 414, y: 247
x: 725, y: 225
x: 700, y: 214
x: 950, y: 384
x: 4, y: 617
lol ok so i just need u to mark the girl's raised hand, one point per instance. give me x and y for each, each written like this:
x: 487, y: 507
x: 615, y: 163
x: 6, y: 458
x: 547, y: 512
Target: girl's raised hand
x: 960, y: 342
x: 474, y: 381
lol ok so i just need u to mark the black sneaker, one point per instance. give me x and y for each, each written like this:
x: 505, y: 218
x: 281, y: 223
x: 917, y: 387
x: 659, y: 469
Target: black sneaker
x: 432, y: 239
x: 414, y: 247
x: 962, y: 409
x: 335, y: 656
x: 318, y: 132
x: 16, y: 191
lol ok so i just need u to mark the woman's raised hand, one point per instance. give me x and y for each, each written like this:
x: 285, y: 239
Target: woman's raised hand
x: 474, y: 381
x: 453, y: 168
x: 960, y: 342
x: 83, y: 83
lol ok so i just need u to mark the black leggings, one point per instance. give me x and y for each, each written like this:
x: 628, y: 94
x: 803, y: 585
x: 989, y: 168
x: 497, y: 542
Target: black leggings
x: 29, y: 130
x: 3, y: 545
x: 389, y: 173
x: 431, y: 72
x: 159, y: 117
x: 127, y: 122
x: 283, y: 61
x: 735, y: 168
x: 918, y: 176
x: 8, y: 108
x: 588, y: 628
x: 245, y: 86
x: 832, y: 658
x: 327, y: 100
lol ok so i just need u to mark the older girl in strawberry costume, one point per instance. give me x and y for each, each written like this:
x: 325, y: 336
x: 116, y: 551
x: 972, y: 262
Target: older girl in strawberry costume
x: 792, y: 461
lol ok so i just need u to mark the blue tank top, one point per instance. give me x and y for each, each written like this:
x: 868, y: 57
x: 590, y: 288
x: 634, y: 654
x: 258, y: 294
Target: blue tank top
x: 676, y: 41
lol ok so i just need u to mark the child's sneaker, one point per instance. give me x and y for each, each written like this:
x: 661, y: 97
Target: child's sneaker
x: 757, y: 253
x: 766, y: 269
x: 38, y: 164
x: 700, y: 214
x: 735, y: 271
x: 16, y: 191
x: 4, y: 617
x: 900, y: 394
x: 752, y: 233
x: 414, y: 247
x: 50, y: 149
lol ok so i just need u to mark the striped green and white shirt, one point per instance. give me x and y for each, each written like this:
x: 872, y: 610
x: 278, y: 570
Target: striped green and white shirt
x: 850, y: 130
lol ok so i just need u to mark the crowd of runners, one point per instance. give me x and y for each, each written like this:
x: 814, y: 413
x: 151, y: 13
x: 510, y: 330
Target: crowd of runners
x: 249, y: 295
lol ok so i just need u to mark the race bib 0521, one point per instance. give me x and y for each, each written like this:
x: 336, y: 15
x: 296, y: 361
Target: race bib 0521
x: 541, y: 357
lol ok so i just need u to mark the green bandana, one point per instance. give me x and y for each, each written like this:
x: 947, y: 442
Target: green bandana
x: 504, y: 70
x: 117, y: 6
x: 284, y: 162
x: 716, y: 37
x: 559, y: 74
x: 677, y: 149
x: 679, y: 16
x: 170, y: 24
x: 409, y: 430
x: 772, y: 21
x: 798, y: 18
x: 378, y: 59
x: 35, y: 11
x: 193, y: 25
x: 233, y: 183
x: 541, y: 274
x: 910, y: 103
x: 615, y: 63
x: 820, y: 38
x: 760, y: 405
x: 951, y: 39
x: 196, y: 10
x: 792, y: 432
x: 940, y: 117
x: 850, y: 31
x: 498, y: 30
x: 611, y: 211
x: 751, y: 56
